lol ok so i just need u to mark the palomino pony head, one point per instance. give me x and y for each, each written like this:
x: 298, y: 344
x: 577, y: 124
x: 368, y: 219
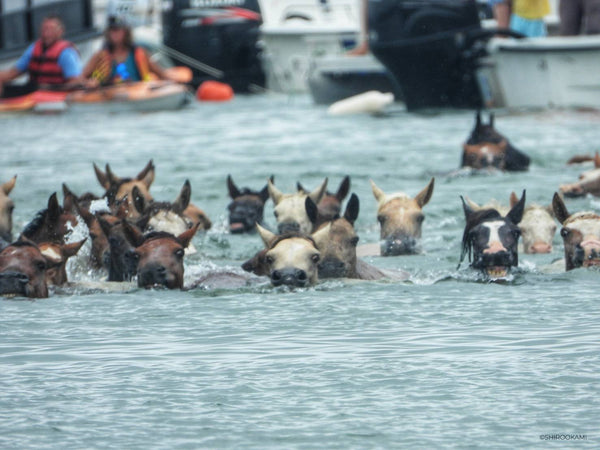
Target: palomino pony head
x: 158, y: 257
x: 581, y: 235
x: 491, y: 240
x: 56, y: 260
x: 401, y: 218
x: 121, y: 189
x: 487, y: 148
x: 23, y: 271
x: 52, y: 224
x: 292, y: 258
x: 538, y: 227
x: 246, y: 208
x: 291, y: 209
x: 337, y: 243
x: 330, y: 206
x: 6, y: 209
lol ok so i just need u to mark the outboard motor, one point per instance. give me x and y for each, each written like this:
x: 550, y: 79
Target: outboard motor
x: 203, y: 36
x: 432, y: 48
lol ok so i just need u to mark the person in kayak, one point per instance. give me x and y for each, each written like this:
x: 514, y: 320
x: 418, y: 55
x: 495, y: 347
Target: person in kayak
x: 51, y: 62
x: 120, y: 60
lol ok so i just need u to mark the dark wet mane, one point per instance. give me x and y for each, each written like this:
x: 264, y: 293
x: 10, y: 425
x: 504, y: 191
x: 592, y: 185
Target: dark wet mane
x: 23, y: 244
x: 474, y: 219
x: 290, y: 235
x: 153, y: 235
x: 37, y: 222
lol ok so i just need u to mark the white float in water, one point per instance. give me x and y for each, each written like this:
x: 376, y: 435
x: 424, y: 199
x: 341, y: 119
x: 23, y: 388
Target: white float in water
x: 368, y: 102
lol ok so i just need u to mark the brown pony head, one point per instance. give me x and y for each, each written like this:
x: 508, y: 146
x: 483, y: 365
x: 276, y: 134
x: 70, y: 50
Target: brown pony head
x: 120, y: 190
x: 56, y: 260
x: 23, y: 271
x: 292, y: 258
x: 330, y: 206
x: 589, y: 182
x: 52, y: 224
x: 6, y: 209
x: 337, y: 243
x: 159, y: 257
x: 246, y: 208
x: 400, y: 218
x: 580, y: 233
x: 487, y: 148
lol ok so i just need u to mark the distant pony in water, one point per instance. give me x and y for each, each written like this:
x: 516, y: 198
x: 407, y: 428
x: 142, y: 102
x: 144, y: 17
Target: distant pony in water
x: 487, y: 148
x: 246, y: 208
x: 330, y: 205
x: 6, y: 210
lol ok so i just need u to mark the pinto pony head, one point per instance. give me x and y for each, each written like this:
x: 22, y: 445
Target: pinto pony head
x: 158, y: 257
x: 6, y: 209
x: 491, y: 240
x: 337, y: 243
x: 401, y: 218
x: 580, y: 233
x: 292, y: 258
x: 23, y: 271
x: 120, y: 190
x: 246, y: 208
x: 487, y: 148
x: 291, y: 210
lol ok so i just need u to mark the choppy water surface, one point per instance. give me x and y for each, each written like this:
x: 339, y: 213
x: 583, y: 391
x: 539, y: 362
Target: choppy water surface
x: 440, y: 360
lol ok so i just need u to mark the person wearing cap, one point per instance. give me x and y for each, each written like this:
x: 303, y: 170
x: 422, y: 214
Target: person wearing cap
x: 120, y: 60
x: 50, y: 61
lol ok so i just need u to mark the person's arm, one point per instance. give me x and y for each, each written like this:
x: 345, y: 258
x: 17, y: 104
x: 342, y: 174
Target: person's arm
x: 10, y: 74
x: 502, y: 11
x: 19, y: 68
x: 157, y: 69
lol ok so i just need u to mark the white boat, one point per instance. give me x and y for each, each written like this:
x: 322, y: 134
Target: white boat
x: 551, y: 72
x: 293, y: 31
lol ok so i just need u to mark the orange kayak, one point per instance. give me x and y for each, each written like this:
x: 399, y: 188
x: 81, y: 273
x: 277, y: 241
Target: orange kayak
x: 51, y: 99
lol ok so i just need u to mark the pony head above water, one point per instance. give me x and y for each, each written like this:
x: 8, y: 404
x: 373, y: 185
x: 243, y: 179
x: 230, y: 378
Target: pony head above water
x: 246, y: 208
x: 23, y: 271
x: 121, y: 189
x: 291, y: 209
x: 6, y: 209
x: 538, y: 227
x: 159, y: 257
x: 52, y: 224
x: 337, y: 243
x: 401, y: 218
x: 491, y: 240
x: 330, y: 205
x: 589, y: 182
x: 292, y: 259
x: 487, y: 148
x: 56, y: 260
x: 580, y: 233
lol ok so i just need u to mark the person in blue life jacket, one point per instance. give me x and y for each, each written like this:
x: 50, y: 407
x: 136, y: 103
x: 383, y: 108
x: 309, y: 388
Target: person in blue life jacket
x: 51, y: 62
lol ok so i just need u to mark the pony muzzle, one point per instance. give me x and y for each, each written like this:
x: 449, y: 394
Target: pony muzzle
x: 13, y: 284
x: 289, y: 277
x: 399, y: 245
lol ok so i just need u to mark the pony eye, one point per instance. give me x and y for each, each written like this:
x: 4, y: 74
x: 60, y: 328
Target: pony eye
x: 276, y: 214
x: 41, y: 265
x: 380, y: 219
x: 354, y: 241
x: 420, y: 218
x: 315, y: 258
x: 179, y: 253
x: 269, y: 259
x: 565, y: 232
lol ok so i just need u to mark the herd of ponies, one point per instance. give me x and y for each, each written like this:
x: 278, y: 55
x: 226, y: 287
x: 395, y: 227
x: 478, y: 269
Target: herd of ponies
x: 134, y: 237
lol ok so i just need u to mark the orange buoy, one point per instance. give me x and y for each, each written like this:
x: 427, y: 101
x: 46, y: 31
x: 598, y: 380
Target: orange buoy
x: 214, y: 91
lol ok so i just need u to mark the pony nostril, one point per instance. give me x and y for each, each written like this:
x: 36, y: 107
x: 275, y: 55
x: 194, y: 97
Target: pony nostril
x: 301, y: 275
x: 276, y: 275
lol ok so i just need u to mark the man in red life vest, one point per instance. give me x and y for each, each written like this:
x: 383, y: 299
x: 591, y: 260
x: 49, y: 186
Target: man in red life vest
x: 50, y: 61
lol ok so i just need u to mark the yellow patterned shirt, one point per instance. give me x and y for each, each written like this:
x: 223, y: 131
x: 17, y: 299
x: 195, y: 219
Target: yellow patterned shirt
x: 531, y: 9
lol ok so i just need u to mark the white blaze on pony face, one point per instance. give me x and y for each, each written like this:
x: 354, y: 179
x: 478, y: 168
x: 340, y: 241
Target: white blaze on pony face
x: 494, y: 243
x: 538, y: 228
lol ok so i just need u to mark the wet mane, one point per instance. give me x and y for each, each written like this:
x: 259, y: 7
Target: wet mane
x: 38, y: 222
x: 474, y: 219
x: 291, y: 235
x: 153, y: 235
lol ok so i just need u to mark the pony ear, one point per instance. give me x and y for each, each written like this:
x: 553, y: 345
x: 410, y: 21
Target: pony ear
x: 257, y: 264
x: 377, y: 192
x: 311, y: 210
x: 474, y: 206
x: 133, y: 234
x: 468, y: 210
x: 105, y: 226
x: 300, y: 188
x: 560, y: 209
x: 423, y: 197
x: 264, y: 193
x: 69, y: 199
x: 319, y: 192
x: 183, y: 199
x: 275, y: 194
x: 513, y: 200
x: 186, y: 237
x: 138, y: 201
x: 53, y: 209
x: 72, y: 249
x: 344, y: 188
x: 352, y: 209
x: 266, y: 236
x: 101, y: 177
x: 234, y: 192
x: 111, y: 177
x: 516, y: 212
x: 9, y: 185
x: 322, y: 234
x: 146, y: 176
